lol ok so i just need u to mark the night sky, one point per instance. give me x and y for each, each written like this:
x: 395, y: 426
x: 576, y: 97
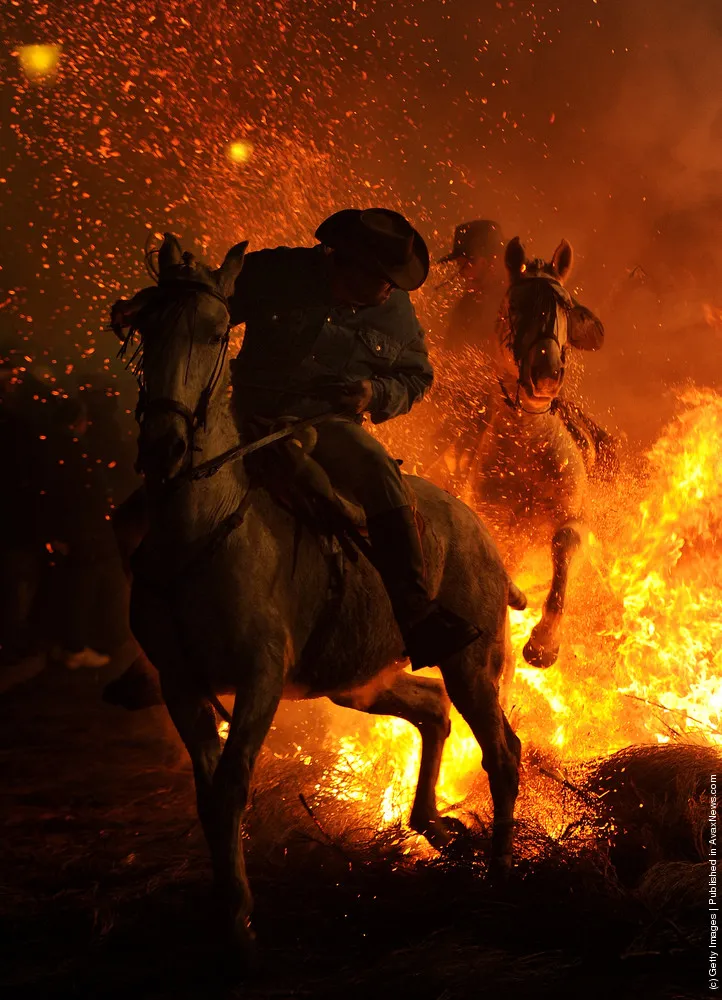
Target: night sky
x: 597, y: 121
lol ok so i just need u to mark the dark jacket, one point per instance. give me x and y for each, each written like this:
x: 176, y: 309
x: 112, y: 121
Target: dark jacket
x: 298, y: 343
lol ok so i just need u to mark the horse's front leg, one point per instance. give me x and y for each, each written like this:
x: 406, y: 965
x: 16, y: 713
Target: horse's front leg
x: 471, y: 678
x: 194, y: 718
x: 154, y: 626
x: 257, y: 698
x: 422, y: 701
x: 542, y: 649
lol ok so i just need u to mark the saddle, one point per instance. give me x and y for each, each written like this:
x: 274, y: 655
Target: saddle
x: 296, y: 481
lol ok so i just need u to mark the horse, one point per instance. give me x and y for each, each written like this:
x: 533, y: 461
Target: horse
x: 230, y: 592
x: 521, y: 455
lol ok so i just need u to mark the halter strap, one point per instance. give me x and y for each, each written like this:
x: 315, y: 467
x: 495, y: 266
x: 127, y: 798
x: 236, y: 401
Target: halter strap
x: 198, y: 417
x: 561, y: 298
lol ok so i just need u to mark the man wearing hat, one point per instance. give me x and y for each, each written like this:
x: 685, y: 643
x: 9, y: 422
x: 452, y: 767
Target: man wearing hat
x: 332, y: 328
x: 478, y: 251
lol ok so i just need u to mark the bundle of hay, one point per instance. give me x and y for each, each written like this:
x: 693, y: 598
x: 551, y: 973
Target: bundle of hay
x: 654, y: 805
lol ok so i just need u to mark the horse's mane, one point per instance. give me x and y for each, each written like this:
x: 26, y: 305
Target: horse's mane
x: 165, y: 305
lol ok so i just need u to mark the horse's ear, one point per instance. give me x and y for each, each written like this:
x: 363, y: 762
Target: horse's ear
x: 230, y: 268
x: 515, y: 257
x: 124, y: 311
x: 170, y: 253
x: 562, y: 259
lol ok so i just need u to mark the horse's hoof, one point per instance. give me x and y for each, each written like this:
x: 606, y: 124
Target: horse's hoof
x: 440, y: 831
x: 241, y: 953
x: 540, y: 656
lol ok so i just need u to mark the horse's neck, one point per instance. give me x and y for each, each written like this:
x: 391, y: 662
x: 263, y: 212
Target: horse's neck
x: 221, y: 432
x: 201, y: 505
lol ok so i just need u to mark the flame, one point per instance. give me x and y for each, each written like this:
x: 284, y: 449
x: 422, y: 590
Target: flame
x: 712, y: 316
x: 642, y: 649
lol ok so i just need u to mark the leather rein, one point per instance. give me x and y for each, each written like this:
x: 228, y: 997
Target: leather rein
x: 197, y: 418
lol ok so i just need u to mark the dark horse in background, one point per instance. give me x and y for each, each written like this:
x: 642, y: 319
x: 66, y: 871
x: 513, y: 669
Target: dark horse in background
x: 230, y: 593
x: 510, y: 446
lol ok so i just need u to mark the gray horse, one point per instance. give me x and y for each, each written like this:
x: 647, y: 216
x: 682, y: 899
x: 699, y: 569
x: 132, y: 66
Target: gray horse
x: 230, y: 595
x: 521, y: 455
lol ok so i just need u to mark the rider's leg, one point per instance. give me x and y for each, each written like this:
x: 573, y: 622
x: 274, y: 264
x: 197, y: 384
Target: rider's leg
x: 356, y: 461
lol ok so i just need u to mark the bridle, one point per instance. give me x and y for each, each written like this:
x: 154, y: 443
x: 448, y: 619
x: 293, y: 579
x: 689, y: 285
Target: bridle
x: 561, y: 297
x: 197, y: 418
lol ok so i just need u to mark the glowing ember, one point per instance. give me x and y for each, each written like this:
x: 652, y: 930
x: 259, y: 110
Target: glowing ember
x: 39, y: 63
x: 240, y: 152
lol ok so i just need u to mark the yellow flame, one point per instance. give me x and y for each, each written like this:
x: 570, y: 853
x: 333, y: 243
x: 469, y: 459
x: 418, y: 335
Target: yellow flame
x: 642, y: 647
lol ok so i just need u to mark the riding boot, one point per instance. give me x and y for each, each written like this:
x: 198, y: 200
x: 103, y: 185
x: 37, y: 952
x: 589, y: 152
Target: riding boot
x: 431, y: 633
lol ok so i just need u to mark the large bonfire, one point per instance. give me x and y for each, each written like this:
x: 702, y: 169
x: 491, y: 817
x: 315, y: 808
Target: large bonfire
x: 640, y: 662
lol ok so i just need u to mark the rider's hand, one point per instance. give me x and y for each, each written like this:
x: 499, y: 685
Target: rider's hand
x: 354, y: 397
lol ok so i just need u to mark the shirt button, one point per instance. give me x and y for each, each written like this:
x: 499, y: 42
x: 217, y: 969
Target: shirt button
x: 274, y: 317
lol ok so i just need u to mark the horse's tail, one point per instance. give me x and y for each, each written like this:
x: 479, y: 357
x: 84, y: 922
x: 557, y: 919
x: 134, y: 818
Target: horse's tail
x: 516, y: 598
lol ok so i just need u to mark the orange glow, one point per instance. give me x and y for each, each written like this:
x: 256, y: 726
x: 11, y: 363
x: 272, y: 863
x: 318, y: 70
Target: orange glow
x: 240, y: 151
x: 712, y: 316
x: 641, y: 658
x: 39, y: 63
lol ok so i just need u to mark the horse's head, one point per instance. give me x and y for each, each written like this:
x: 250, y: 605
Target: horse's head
x: 537, y: 322
x: 183, y: 325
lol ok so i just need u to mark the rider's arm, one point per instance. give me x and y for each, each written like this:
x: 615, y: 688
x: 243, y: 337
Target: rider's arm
x: 410, y: 376
x: 258, y: 282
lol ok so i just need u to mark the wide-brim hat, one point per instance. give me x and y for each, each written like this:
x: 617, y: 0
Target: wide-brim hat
x: 381, y: 240
x: 479, y: 238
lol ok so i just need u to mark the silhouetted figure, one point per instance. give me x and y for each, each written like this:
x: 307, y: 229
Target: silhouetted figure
x: 478, y: 286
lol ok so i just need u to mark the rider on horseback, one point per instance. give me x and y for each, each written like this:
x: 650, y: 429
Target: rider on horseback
x: 331, y: 328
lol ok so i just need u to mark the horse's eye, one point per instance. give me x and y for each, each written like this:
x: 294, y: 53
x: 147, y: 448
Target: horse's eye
x: 217, y: 338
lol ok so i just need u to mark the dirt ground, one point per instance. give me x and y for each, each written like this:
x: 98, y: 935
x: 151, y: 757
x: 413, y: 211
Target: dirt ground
x: 106, y: 888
